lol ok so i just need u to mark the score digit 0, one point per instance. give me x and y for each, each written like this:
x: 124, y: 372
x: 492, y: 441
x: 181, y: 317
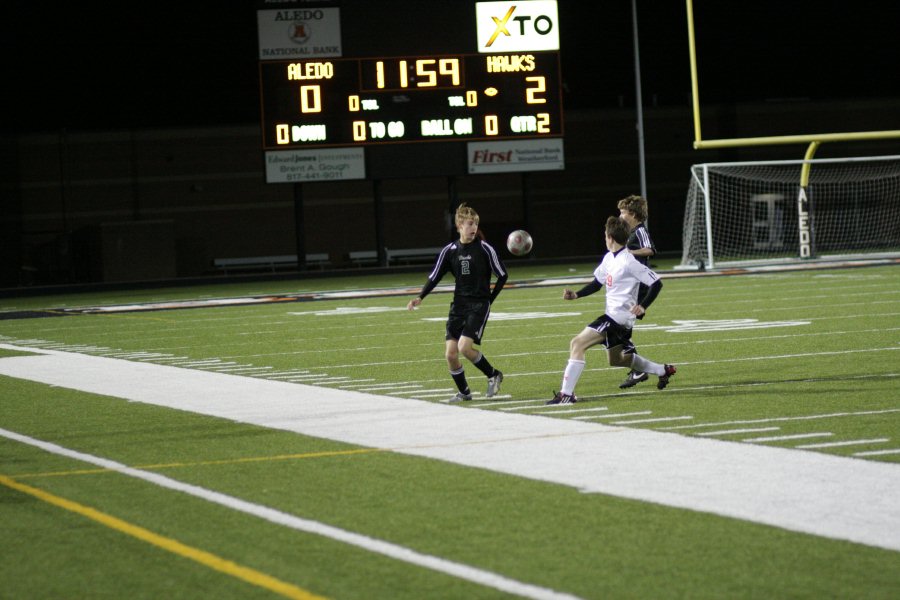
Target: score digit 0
x: 359, y: 131
x: 310, y: 98
x: 491, y: 125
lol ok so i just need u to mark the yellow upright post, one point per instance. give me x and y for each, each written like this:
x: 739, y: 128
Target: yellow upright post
x: 695, y: 93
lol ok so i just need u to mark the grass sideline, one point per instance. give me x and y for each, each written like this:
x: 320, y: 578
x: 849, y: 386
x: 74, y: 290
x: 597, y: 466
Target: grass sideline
x: 808, y: 353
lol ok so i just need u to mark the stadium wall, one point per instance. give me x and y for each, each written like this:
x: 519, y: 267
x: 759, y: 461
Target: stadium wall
x: 189, y: 196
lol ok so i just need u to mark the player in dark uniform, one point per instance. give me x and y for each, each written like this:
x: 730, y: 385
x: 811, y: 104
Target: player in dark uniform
x: 633, y: 210
x: 472, y: 261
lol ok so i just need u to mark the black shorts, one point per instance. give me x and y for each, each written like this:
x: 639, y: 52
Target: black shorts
x: 468, y: 318
x: 613, y: 334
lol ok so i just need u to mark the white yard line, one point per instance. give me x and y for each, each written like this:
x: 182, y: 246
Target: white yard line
x: 653, y: 420
x: 735, y: 431
x: 395, y: 551
x: 878, y: 452
x: 815, y: 493
x: 781, y: 419
x: 787, y: 438
x: 616, y: 415
x: 844, y: 443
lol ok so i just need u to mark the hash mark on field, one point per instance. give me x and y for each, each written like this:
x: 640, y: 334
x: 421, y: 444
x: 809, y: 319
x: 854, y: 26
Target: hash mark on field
x: 202, y: 362
x: 657, y: 420
x: 508, y: 406
x: 878, y: 452
x: 132, y: 355
x: 571, y: 410
x: 246, y: 370
x: 326, y: 379
x: 845, y: 443
x: 286, y: 374
x: 774, y: 419
x: 733, y: 431
x: 615, y: 415
x: 491, y: 401
x: 784, y: 438
x: 434, y: 393
x: 393, y: 387
x: 358, y: 383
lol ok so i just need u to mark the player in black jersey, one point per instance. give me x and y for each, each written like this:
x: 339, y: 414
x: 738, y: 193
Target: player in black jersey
x: 472, y: 261
x: 633, y: 210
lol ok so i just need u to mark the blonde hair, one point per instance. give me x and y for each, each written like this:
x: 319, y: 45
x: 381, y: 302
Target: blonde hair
x: 637, y: 205
x: 465, y: 212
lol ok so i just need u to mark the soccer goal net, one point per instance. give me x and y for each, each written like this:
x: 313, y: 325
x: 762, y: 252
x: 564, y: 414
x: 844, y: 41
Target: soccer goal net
x: 759, y: 213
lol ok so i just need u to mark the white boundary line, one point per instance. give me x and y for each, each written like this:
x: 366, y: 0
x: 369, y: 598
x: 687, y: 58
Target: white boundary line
x: 809, y: 492
x: 401, y: 553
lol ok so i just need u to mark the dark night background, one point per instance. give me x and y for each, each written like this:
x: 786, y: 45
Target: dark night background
x: 91, y: 65
x: 130, y: 147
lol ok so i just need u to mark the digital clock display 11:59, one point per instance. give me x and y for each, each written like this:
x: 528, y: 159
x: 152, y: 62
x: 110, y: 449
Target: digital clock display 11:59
x: 358, y: 101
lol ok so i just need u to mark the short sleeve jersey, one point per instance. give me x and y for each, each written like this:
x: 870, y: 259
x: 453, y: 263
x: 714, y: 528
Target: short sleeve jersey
x: 472, y: 265
x: 622, y: 274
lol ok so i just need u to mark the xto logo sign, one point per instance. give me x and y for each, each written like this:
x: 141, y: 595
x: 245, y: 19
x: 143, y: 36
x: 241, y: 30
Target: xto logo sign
x: 517, y: 26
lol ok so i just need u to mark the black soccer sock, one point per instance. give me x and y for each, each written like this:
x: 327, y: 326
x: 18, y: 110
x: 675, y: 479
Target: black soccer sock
x: 459, y: 377
x: 484, y: 366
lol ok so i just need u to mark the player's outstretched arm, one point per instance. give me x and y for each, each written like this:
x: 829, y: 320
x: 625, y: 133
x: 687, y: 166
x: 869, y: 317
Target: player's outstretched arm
x: 591, y: 288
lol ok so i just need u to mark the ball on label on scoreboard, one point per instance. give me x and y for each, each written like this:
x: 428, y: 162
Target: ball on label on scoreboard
x: 519, y: 242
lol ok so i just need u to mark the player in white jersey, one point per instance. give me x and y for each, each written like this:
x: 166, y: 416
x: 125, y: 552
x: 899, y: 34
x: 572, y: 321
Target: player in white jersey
x: 622, y: 275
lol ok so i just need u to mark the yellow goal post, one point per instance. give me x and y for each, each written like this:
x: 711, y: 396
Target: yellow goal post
x: 812, y: 138
x: 775, y: 226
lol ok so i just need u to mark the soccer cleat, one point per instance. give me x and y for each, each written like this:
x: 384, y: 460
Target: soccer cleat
x: 459, y: 397
x: 633, y: 378
x: 664, y: 379
x: 560, y: 398
x: 494, y: 384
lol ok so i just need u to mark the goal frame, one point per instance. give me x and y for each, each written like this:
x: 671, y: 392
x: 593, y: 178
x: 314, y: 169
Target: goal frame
x: 805, y: 213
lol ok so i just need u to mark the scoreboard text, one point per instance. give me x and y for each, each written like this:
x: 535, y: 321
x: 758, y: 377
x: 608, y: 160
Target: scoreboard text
x: 359, y: 101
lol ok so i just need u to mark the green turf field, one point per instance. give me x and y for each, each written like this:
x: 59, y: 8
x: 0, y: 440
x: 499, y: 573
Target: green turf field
x: 806, y: 360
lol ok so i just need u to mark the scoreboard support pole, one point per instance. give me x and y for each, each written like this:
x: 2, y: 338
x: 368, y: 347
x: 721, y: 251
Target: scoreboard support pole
x: 379, y: 222
x: 299, y: 227
x: 453, y: 197
x: 527, y: 198
x: 526, y: 201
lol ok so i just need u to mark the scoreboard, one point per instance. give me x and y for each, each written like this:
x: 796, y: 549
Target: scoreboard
x: 355, y: 89
x: 382, y: 100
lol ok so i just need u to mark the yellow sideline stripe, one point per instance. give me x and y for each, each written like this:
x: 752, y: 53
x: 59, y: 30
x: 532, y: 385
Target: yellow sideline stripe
x: 248, y: 459
x: 201, y: 463
x: 212, y: 561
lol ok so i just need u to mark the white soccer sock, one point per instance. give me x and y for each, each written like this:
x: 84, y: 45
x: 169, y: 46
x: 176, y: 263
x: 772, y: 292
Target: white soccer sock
x: 639, y: 363
x: 571, y: 376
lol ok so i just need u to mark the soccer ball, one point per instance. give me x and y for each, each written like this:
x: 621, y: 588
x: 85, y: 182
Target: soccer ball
x: 519, y: 242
